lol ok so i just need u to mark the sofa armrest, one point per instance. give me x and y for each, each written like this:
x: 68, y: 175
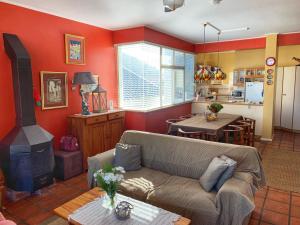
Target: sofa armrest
x: 234, y: 201
x: 97, y: 162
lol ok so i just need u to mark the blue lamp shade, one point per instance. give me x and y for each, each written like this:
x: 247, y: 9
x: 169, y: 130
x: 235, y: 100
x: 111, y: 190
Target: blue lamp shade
x: 84, y: 78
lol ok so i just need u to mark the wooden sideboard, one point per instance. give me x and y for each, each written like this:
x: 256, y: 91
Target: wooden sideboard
x: 96, y: 133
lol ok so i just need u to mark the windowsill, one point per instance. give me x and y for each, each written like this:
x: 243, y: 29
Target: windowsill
x: 157, y: 109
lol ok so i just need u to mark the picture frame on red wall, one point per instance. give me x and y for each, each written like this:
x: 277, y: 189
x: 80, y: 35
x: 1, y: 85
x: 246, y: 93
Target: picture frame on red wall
x: 54, y: 90
x: 75, y: 49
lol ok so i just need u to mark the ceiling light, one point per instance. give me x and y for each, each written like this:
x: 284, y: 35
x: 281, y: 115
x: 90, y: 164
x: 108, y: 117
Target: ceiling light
x: 171, y: 5
x: 236, y: 29
x: 216, y: 2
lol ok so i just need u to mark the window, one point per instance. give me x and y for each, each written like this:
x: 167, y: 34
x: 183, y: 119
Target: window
x: 151, y: 76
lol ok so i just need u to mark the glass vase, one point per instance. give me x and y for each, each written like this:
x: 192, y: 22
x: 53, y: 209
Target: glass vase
x: 109, y: 200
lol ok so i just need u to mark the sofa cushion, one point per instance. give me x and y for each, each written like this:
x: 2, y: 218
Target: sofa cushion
x: 212, y: 174
x: 186, y: 197
x: 137, y: 184
x: 128, y: 156
x: 227, y: 173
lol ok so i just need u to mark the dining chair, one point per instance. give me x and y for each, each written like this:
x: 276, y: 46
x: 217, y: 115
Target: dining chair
x: 191, y: 134
x: 169, y: 123
x: 186, y: 116
x: 248, y: 136
x: 212, y: 137
x: 234, y: 135
x: 252, y: 128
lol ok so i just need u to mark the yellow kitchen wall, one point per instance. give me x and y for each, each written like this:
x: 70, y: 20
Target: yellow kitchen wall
x: 226, y: 61
x: 286, y: 53
x: 231, y: 60
x: 250, y: 58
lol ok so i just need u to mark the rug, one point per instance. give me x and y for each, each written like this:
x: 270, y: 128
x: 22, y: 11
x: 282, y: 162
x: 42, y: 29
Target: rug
x: 282, y: 169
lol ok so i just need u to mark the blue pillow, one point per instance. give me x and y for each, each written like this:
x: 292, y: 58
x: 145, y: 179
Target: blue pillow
x: 227, y: 173
x: 212, y: 174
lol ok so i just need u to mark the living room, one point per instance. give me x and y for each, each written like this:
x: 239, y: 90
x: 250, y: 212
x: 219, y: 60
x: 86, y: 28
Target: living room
x: 170, y: 80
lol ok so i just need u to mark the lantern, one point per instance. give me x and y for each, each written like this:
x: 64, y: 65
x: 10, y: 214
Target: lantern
x: 99, y: 100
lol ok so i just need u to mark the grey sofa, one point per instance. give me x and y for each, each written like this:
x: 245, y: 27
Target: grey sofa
x: 169, y: 178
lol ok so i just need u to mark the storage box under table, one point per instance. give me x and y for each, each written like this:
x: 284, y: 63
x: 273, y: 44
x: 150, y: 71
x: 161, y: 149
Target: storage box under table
x: 67, y: 164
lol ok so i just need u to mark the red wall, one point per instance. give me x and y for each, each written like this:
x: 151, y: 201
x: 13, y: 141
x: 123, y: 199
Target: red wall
x: 244, y: 44
x: 129, y: 35
x: 150, y: 35
x: 43, y: 36
x: 155, y: 121
x: 289, y: 39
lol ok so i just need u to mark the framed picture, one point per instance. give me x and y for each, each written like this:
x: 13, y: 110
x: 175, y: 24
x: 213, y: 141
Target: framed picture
x: 54, y: 88
x: 75, y: 49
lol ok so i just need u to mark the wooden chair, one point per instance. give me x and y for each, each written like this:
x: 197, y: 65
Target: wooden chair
x: 252, y: 128
x: 191, y: 134
x: 211, y: 137
x: 169, y: 122
x: 234, y: 135
x: 186, y: 116
x: 248, y: 136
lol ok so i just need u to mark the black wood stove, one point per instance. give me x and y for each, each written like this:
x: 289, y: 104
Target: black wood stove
x: 26, y: 152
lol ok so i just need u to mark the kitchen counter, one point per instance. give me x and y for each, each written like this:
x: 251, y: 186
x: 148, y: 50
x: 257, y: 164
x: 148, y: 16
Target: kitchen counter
x: 231, y: 102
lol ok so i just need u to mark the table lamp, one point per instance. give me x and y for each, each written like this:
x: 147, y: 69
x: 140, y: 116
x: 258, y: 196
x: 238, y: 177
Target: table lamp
x: 84, y: 78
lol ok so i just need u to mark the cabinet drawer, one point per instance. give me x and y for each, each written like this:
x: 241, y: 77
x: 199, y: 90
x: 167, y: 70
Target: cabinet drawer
x: 115, y: 115
x: 96, y: 119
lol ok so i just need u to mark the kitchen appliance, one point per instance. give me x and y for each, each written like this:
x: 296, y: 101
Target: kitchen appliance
x: 237, y: 94
x: 26, y: 152
x: 254, y: 92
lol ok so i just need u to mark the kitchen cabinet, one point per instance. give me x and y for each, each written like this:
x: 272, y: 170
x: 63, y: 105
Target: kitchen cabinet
x: 97, y: 132
x: 296, y: 117
x: 287, y: 106
x: 240, y: 76
x: 278, y: 97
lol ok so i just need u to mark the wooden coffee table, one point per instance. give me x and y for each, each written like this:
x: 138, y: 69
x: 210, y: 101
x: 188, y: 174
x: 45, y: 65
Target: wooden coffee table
x: 69, y: 207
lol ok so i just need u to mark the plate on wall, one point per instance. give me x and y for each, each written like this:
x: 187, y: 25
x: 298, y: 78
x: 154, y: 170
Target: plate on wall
x: 270, y: 61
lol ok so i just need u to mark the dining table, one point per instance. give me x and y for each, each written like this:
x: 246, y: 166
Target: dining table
x: 199, y: 123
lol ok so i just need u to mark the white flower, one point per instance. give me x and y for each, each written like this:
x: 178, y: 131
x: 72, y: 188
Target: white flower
x: 108, y: 177
x: 119, y: 177
x: 120, y: 169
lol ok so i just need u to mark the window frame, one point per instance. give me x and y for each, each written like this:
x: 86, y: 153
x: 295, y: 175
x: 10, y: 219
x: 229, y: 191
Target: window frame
x: 162, y: 66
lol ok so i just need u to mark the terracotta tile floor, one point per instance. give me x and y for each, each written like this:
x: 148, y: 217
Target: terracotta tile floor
x: 35, y: 209
x: 273, y: 206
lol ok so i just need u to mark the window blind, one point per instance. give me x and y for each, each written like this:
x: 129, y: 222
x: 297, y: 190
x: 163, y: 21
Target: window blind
x: 151, y: 76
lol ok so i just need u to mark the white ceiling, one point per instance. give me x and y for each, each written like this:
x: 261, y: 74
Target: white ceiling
x: 262, y: 16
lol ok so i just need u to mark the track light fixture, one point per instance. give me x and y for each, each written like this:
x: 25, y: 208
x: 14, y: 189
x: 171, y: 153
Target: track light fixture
x: 171, y: 5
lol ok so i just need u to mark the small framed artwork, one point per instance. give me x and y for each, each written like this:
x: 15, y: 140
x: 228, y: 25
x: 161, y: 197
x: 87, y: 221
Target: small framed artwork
x: 54, y: 88
x: 75, y: 49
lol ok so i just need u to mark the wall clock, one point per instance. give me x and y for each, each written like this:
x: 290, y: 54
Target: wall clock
x: 270, y: 61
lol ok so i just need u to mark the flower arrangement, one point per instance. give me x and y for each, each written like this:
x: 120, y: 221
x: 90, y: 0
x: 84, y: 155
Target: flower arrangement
x: 108, y: 179
x: 215, y: 107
